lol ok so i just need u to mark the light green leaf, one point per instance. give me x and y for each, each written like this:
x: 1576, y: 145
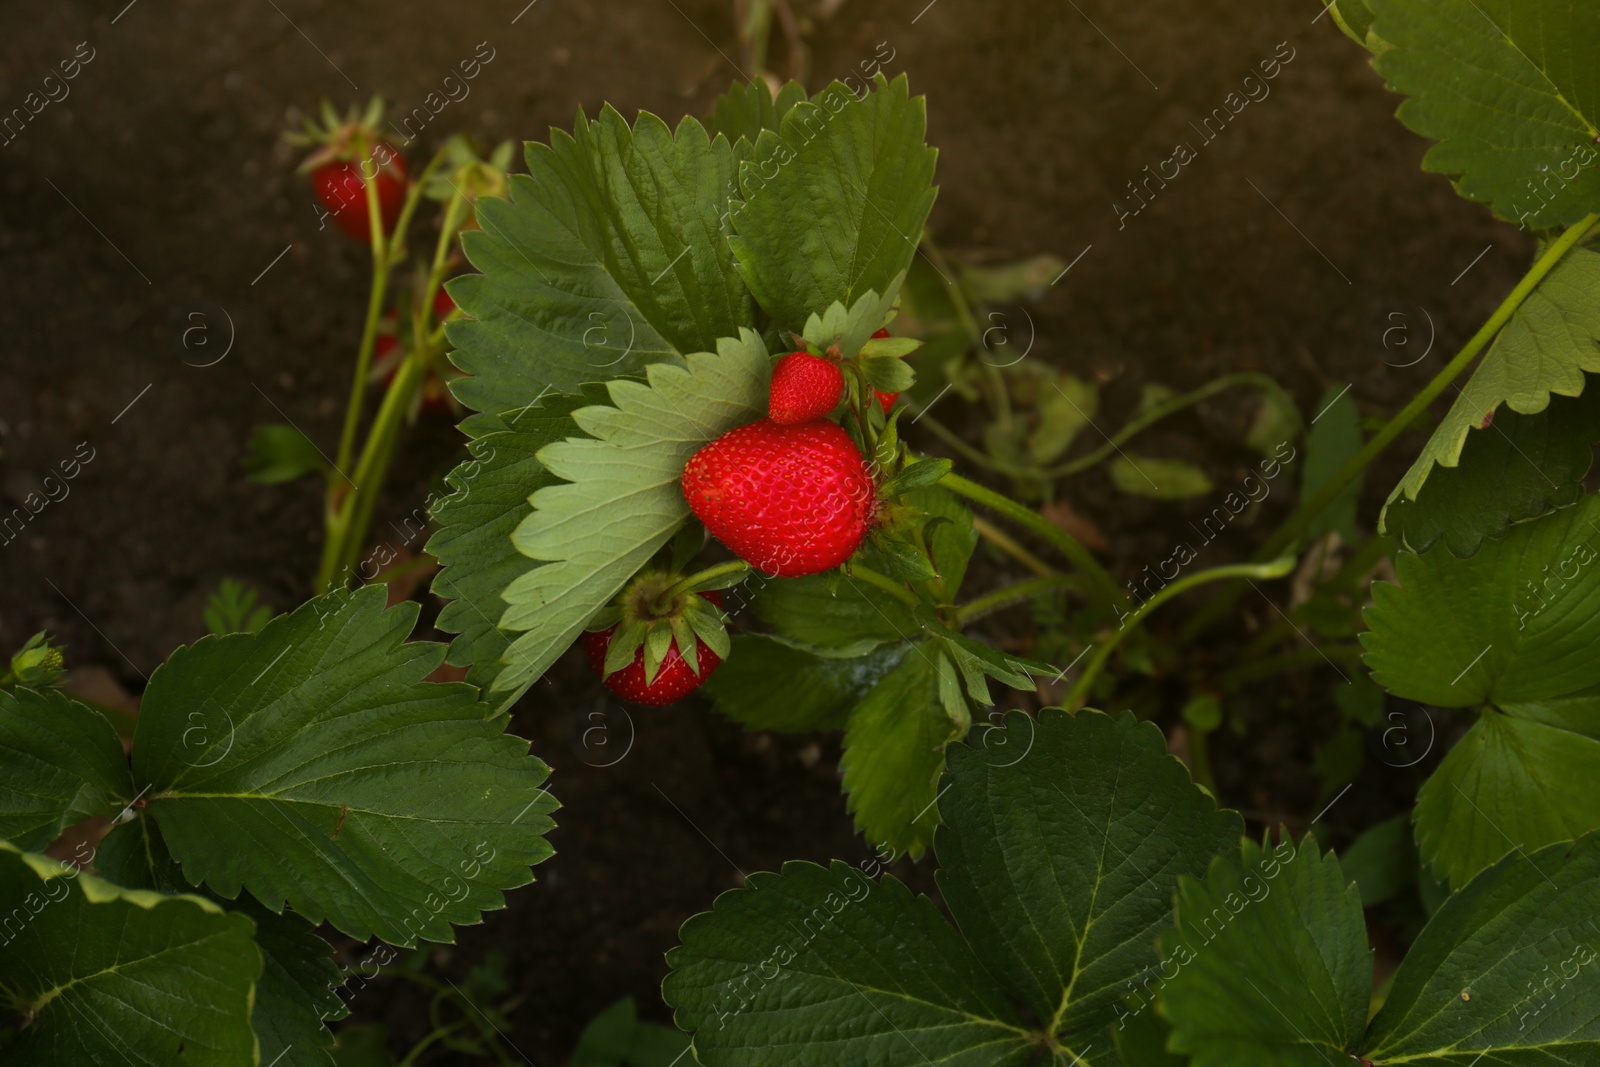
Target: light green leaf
x: 890, y: 375
x: 768, y: 685
x: 833, y: 203
x: 852, y: 328
x: 893, y: 755
x: 951, y: 543
x: 1334, y: 439
x: 121, y: 976
x: 1509, y: 784
x: 1270, y: 959
x: 277, y: 454
x: 1063, y: 412
x: 610, y: 255
x: 60, y: 763
x: 370, y: 799
x: 1160, y: 479
x: 1505, y: 972
x: 1551, y: 341
x: 474, y: 522
x: 1518, y: 468
x: 1353, y: 17
x: 621, y: 497
x: 1507, y: 90
x: 1059, y: 860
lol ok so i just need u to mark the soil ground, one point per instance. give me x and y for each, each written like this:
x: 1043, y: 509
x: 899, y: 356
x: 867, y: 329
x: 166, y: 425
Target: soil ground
x: 159, y: 191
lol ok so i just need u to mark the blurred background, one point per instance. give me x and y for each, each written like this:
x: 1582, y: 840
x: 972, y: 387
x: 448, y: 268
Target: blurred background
x: 156, y: 199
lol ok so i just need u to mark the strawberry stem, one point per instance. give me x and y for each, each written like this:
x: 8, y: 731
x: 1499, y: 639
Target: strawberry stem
x: 1068, y: 545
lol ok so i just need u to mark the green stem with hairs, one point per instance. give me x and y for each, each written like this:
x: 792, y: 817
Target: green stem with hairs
x: 715, y: 571
x: 1091, y: 670
x: 1068, y: 545
x: 1294, y: 526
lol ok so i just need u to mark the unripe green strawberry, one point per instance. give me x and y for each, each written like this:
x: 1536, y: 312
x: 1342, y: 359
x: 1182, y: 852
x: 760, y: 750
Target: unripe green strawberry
x: 804, y: 387
x: 788, y: 500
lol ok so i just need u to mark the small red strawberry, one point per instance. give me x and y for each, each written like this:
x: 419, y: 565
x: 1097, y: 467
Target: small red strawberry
x: 885, y: 400
x: 804, y: 387
x: 789, y: 500
x: 442, y: 305
x: 338, y: 184
x: 674, y: 680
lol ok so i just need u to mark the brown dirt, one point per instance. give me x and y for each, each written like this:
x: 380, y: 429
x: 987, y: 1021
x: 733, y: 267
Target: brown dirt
x: 158, y: 189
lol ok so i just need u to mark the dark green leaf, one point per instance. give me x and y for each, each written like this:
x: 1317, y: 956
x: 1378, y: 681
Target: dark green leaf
x: 741, y: 113
x: 1270, y: 959
x: 894, y: 753
x: 488, y: 500
x: 768, y: 685
x: 60, y: 763
x: 371, y: 799
x: 1519, y: 467
x: 121, y: 976
x: 1505, y: 972
x: 1382, y: 861
x: 609, y: 256
x: 1059, y: 859
x: 833, y: 203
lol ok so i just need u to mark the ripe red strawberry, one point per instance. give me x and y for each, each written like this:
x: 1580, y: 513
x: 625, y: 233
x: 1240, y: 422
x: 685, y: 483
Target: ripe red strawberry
x: 885, y: 400
x: 339, y: 186
x: 804, y: 387
x: 673, y: 681
x: 789, y: 500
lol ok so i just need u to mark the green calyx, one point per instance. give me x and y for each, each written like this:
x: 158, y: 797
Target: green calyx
x: 659, y: 608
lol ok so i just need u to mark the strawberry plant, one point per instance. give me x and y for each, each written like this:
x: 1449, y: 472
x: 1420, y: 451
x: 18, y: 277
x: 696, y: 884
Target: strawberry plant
x: 275, y: 782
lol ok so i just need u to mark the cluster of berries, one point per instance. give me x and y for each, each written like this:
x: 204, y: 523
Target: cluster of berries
x: 790, y: 494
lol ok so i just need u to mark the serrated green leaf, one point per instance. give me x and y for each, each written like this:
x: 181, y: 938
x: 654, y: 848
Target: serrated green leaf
x: 1505, y: 972
x: 951, y: 697
x: 1059, y: 859
x: 1518, y: 468
x: 1063, y: 842
x: 1159, y: 479
x: 839, y: 1000
x: 609, y: 256
x: 894, y: 753
x: 60, y: 763
x: 903, y: 562
x: 371, y: 799
x: 832, y: 205
x: 768, y: 685
x: 1271, y: 960
x: 235, y: 607
x: 1142, y: 1041
x: 952, y: 542
x: 851, y: 327
x: 1506, y: 89
x: 918, y: 475
x: 620, y: 499
x: 1509, y: 784
x: 889, y: 347
x: 298, y: 990
x: 828, y: 615
x: 1334, y: 439
x: 1354, y: 17
x: 124, y: 976
x: 1546, y: 348
x: 488, y: 500
x: 1514, y: 626
x: 741, y: 113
